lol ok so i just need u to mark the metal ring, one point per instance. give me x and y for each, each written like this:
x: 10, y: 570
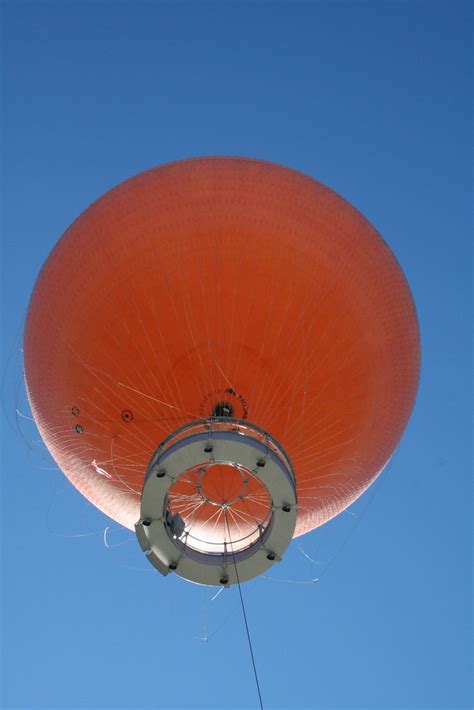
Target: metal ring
x: 231, y: 442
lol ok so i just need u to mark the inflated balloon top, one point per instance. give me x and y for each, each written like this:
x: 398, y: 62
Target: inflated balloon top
x: 223, y: 354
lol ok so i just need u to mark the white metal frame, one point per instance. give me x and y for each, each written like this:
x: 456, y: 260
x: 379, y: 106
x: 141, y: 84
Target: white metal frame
x: 224, y: 441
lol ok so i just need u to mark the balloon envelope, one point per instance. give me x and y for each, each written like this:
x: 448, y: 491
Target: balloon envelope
x: 222, y: 286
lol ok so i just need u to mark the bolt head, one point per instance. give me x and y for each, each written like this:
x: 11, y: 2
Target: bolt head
x: 271, y: 556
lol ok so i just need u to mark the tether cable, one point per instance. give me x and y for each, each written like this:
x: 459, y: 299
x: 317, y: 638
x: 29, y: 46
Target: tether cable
x: 246, y: 622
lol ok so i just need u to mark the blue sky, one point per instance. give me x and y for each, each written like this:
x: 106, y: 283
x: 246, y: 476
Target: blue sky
x: 372, y: 98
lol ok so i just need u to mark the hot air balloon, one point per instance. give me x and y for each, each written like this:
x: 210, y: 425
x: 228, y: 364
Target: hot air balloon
x: 221, y: 354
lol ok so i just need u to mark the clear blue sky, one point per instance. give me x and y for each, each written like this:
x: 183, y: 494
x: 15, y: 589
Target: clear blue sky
x: 372, y: 98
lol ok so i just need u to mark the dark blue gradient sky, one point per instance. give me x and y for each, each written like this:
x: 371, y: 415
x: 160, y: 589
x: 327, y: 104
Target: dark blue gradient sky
x: 372, y: 98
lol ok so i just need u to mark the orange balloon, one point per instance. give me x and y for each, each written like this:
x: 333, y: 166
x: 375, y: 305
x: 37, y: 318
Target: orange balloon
x: 222, y: 286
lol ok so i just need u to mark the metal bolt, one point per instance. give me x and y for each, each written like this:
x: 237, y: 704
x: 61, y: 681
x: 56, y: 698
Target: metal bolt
x: 224, y: 580
x: 208, y: 449
x: 161, y: 472
x: 271, y: 556
x: 147, y: 522
x: 173, y: 565
x: 261, y: 463
x: 79, y: 428
x: 286, y: 508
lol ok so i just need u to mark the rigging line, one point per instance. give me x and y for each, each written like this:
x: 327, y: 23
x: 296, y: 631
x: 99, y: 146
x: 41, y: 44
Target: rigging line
x: 245, y: 618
